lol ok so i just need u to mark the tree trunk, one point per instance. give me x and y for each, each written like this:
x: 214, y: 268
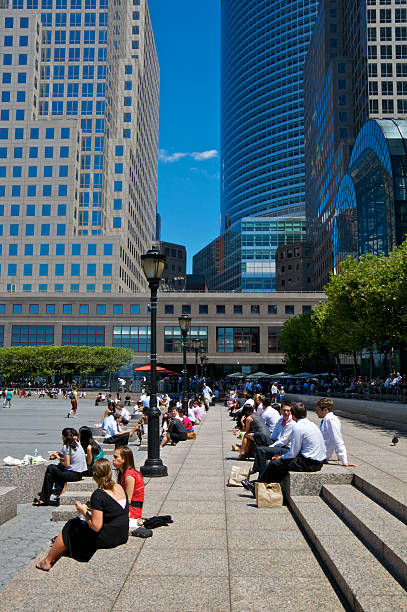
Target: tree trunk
x: 371, y: 364
x: 355, y: 364
x: 338, y: 365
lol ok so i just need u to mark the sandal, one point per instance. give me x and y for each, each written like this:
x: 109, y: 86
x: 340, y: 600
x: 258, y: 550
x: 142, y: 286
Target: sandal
x: 39, y: 502
x: 44, y: 569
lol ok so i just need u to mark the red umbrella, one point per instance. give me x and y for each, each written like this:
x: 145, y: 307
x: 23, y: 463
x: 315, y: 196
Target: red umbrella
x: 159, y: 369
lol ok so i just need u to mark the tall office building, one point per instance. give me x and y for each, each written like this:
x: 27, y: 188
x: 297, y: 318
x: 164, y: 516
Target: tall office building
x: 264, y: 43
x: 355, y: 70
x: 78, y: 144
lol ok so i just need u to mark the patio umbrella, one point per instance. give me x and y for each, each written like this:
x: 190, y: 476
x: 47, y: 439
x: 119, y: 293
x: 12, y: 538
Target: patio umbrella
x: 236, y: 375
x: 303, y: 375
x: 260, y: 375
x: 159, y: 369
x: 282, y: 375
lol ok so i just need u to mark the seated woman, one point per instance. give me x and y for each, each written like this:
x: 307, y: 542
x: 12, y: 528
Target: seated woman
x: 132, y: 482
x: 93, y: 450
x: 70, y: 468
x: 187, y: 421
x: 256, y: 431
x: 104, y: 525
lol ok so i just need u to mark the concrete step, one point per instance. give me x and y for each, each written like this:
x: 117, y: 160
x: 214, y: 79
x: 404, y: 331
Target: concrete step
x: 70, y: 497
x: 385, y: 534
x: 64, y: 513
x: 8, y: 503
x: 86, y: 484
x: 361, y: 578
x: 391, y: 493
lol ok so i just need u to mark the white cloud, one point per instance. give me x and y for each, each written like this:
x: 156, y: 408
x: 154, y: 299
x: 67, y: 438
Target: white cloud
x: 204, y: 155
x: 170, y: 158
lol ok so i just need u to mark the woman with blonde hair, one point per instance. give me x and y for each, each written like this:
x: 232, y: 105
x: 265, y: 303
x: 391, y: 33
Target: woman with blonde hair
x: 105, y: 524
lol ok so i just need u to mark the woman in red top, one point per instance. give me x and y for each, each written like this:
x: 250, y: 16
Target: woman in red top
x: 187, y: 421
x: 131, y: 480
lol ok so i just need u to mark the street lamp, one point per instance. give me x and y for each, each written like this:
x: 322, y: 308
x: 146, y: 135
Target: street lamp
x: 196, y: 343
x: 184, y: 323
x: 153, y: 263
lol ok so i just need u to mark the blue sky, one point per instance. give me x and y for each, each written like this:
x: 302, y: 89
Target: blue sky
x: 187, y: 36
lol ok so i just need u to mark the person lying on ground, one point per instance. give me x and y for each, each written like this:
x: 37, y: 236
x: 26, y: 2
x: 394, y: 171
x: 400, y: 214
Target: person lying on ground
x: 105, y: 524
x: 256, y: 432
x: 307, y: 452
x: 72, y: 464
x: 280, y: 437
x: 331, y: 431
x: 114, y: 433
x: 93, y: 450
x: 132, y: 482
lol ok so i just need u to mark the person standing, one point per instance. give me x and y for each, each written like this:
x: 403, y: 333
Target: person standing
x: 207, y: 396
x: 7, y: 398
x: 331, y: 431
x: 73, y: 396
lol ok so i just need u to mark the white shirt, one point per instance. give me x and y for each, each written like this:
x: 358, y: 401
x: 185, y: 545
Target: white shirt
x: 281, y: 436
x: 191, y: 415
x: 307, y: 440
x: 207, y: 391
x: 270, y: 416
x: 110, y: 426
x: 125, y: 414
x: 331, y: 432
x: 274, y: 389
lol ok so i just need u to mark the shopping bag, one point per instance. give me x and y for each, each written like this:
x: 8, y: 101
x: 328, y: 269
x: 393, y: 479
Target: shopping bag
x: 268, y: 495
x: 191, y: 435
x: 238, y: 474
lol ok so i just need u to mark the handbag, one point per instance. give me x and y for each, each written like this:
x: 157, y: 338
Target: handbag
x: 191, y: 435
x: 268, y: 495
x: 238, y: 474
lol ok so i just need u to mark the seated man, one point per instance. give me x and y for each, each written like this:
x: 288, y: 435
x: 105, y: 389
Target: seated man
x: 307, y: 452
x: 280, y: 437
x: 331, y: 431
x: 113, y: 432
x: 175, y: 431
x: 270, y: 414
x: 124, y: 413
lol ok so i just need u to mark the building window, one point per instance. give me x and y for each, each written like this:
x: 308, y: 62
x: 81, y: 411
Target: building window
x: 134, y: 308
x: 83, y: 335
x: 32, y: 335
x: 84, y: 308
x: 306, y: 308
x: 237, y: 340
x: 289, y: 309
x: 186, y: 309
x: 272, y: 309
x: 172, y: 339
x: 118, y: 308
x: 17, y: 308
x: 169, y: 309
x: 50, y: 308
x: 237, y: 309
x: 273, y: 339
x: 255, y: 309
x: 220, y: 309
x: 34, y: 308
x: 67, y: 309
x: 100, y: 308
x: 203, y: 309
x: 136, y: 338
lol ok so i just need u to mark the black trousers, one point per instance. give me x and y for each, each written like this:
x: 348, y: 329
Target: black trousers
x: 276, y: 470
x: 264, y: 454
x: 57, y: 475
x: 120, y: 439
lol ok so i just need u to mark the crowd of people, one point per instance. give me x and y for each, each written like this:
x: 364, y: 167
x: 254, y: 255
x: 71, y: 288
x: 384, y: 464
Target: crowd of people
x: 280, y: 438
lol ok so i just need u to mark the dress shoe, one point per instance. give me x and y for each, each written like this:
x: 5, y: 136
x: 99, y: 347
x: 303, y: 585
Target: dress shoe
x: 249, y: 486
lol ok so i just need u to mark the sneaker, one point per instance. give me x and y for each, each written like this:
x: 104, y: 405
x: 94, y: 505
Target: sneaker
x: 249, y: 486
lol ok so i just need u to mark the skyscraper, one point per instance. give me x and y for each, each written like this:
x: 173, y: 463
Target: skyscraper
x: 355, y: 70
x: 263, y: 49
x: 78, y: 144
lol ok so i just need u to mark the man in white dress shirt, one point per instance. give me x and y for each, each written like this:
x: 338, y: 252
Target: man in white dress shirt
x: 307, y: 451
x: 331, y: 431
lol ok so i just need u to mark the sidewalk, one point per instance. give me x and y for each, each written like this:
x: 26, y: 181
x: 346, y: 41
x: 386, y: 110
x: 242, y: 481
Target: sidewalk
x: 222, y: 553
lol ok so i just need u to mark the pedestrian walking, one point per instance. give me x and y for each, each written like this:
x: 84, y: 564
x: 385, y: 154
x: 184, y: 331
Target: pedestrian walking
x: 7, y: 398
x: 73, y: 396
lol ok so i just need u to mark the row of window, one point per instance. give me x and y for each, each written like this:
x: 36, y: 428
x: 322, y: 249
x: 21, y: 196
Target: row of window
x: 59, y: 269
x: 33, y: 152
x: 137, y: 338
x: 60, y: 249
x: 16, y: 191
x: 59, y: 288
x: 67, y: 309
x: 237, y: 309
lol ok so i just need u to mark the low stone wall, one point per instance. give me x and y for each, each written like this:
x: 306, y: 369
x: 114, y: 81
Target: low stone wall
x: 27, y: 479
x: 385, y: 414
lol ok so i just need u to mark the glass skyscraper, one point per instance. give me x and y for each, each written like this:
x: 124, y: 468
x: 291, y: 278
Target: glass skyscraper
x: 264, y: 43
x: 78, y: 144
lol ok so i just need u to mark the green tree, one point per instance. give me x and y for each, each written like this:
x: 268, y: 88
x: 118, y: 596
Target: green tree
x: 302, y: 344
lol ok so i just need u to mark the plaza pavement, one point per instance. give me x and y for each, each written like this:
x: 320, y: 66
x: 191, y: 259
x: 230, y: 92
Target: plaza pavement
x: 222, y: 553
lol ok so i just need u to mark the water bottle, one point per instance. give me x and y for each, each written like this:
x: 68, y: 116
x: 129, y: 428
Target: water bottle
x: 35, y: 455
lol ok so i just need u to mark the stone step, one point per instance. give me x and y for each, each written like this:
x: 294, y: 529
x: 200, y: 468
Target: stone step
x: 310, y: 483
x: 360, y: 577
x: 391, y: 493
x: 8, y: 503
x: 86, y: 484
x: 70, y: 497
x: 64, y: 513
x: 385, y: 534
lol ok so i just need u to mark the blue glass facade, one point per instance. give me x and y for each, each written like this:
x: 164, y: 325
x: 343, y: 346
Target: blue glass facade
x: 371, y: 205
x: 262, y: 111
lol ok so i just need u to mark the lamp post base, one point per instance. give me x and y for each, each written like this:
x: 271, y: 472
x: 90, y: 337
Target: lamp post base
x: 154, y: 468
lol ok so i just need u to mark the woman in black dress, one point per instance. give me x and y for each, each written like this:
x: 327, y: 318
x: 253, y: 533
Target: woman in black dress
x: 104, y: 525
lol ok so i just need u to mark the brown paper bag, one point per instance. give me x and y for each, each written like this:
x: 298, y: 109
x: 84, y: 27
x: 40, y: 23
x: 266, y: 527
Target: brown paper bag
x: 268, y: 495
x: 191, y: 435
x: 238, y: 474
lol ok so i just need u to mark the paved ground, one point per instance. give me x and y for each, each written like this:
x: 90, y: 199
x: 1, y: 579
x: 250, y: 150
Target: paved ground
x: 221, y: 554
x: 34, y: 423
